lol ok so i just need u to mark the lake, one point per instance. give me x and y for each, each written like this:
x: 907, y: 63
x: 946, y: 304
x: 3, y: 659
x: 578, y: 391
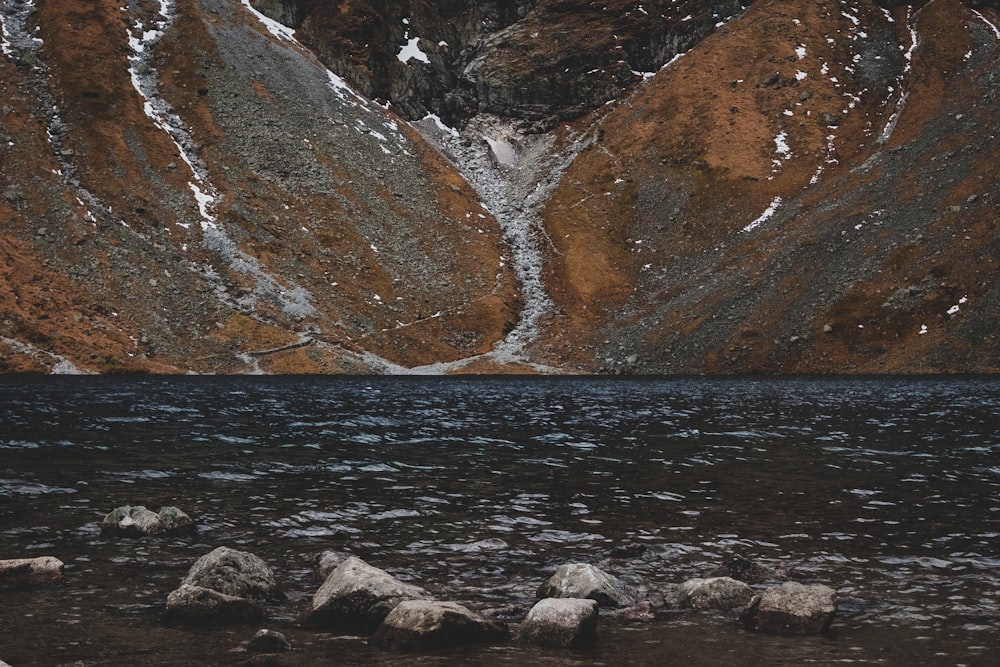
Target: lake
x: 887, y: 489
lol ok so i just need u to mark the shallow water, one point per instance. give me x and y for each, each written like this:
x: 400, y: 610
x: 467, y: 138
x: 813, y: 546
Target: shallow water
x: 885, y: 489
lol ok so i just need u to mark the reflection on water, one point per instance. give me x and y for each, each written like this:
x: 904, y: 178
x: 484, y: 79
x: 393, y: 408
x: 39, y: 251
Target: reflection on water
x: 884, y: 488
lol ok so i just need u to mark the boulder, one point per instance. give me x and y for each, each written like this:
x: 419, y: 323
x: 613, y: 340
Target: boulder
x: 204, y: 606
x: 268, y: 641
x: 327, y: 562
x: 235, y: 573
x: 581, y: 580
x: 713, y: 593
x: 358, y: 596
x: 138, y: 521
x: 425, y: 625
x: 791, y: 609
x: 561, y: 623
x: 23, y: 572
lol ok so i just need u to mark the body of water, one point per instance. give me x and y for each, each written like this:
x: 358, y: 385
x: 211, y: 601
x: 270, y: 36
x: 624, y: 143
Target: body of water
x: 885, y: 489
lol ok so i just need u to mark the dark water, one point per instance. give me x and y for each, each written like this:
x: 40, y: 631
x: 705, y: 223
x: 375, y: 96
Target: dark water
x: 885, y: 489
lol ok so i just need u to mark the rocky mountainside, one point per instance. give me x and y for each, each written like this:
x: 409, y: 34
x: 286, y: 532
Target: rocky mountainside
x: 347, y: 186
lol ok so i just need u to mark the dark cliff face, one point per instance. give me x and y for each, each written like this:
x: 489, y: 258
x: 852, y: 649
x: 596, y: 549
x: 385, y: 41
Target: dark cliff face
x: 811, y: 186
x: 527, y: 60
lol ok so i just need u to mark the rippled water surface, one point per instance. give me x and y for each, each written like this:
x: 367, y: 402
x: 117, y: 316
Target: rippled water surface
x: 885, y: 489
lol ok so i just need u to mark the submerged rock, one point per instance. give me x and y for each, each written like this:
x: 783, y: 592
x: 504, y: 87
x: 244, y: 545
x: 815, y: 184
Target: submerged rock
x: 713, y: 593
x: 358, y: 596
x: 268, y: 641
x: 204, y: 606
x: 138, y: 521
x: 235, y: 573
x: 423, y: 625
x: 582, y: 580
x: 748, y: 569
x: 791, y: 609
x: 560, y: 622
x: 24, y: 572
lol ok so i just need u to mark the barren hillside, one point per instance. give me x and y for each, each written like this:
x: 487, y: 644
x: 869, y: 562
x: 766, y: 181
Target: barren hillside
x: 504, y: 186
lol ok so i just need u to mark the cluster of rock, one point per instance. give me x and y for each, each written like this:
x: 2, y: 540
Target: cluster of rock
x: 227, y: 586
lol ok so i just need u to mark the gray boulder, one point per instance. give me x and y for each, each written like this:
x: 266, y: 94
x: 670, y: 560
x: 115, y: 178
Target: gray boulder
x: 713, y: 593
x: 791, y: 609
x: 560, y: 623
x: 235, y: 573
x: 24, y: 572
x: 581, y: 580
x: 358, y: 596
x: 425, y: 625
x: 138, y: 521
x: 327, y: 562
x: 204, y: 606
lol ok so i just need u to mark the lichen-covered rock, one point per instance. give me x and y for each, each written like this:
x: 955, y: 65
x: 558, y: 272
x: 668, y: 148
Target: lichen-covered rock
x: 204, y: 606
x: 24, y: 572
x: 425, y: 625
x: 235, y: 573
x: 139, y: 521
x: 560, y: 622
x: 791, y: 609
x: 712, y: 593
x: 582, y: 580
x: 358, y: 596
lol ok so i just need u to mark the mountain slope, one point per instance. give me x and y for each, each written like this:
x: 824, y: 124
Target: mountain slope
x: 659, y: 186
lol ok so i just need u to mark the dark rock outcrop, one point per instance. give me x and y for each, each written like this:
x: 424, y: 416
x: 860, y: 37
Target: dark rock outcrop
x: 425, y: 625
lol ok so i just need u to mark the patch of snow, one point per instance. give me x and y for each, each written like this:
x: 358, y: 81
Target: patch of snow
x: 411, y: 51
x: 781, y: 144
x: 279, y: 30
x: 765, y: 216
x: 923, y: 329
x: 800, y: 51
x: 504, y: 152
x: 996, y: 30
x: 799, y: 75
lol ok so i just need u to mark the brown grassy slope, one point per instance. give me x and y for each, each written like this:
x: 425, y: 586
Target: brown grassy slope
x: 652, y: 263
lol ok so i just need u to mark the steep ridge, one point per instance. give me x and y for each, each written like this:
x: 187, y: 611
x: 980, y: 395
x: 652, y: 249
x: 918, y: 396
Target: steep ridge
x: 502, y: 186
x: 188, y: 201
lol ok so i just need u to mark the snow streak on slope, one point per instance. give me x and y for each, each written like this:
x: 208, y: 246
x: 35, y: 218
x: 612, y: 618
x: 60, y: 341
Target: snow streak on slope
x: 294, y: 302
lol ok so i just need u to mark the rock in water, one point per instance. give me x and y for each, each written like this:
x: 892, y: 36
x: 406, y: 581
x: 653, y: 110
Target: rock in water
x: 358, y: 596
x: 560, y: 622
x: 235, y: 573
x: 199, y: 605
x: 714, y: 593
x: 424, y: 625
x: 791, y: 609
x: 23, y: 572
x: 138, y: 521
x: 131, y: 521
x: 581, y: 580
x: 326, y: 562
x: 268, y: 641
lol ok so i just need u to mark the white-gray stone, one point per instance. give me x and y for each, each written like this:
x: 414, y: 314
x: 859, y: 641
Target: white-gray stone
x: 235, y: 573
x: 23, y: 572
x: 582, y: 580
x: 204, y: 606
x: 791, y: 609
x: 713, y: 593
x: 358, y: 596
x: 560, y: 622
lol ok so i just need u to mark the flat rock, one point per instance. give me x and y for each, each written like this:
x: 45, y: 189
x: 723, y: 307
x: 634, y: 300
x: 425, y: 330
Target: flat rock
x: 561, y: 623
x: 582, y: 580
x: 203, y: 606
x: 424, y: 625
x: 791, y: 609
x: 24, y: 572
x: 358, y: 596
